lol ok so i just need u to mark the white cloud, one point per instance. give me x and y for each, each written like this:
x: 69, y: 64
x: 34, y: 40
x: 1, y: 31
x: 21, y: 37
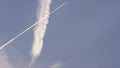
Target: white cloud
x: 4, y: 62
x: 56, y: 65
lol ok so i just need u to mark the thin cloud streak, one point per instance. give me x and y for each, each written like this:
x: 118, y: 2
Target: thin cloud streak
x: 4, y: 63
x: 57, y: 65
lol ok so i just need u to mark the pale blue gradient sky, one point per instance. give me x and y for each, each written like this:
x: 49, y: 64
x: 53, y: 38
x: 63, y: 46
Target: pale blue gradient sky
x: 83, y: 34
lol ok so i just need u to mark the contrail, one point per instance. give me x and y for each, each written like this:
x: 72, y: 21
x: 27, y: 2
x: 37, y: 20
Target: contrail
x: 6, y: 44
x: 40, y: 28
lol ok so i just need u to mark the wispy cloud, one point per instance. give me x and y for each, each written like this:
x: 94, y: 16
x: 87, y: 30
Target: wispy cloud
x: 4, y: 62
x: 56, y: 65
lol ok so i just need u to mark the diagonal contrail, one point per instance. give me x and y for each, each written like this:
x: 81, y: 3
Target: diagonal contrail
x: 6, y: 44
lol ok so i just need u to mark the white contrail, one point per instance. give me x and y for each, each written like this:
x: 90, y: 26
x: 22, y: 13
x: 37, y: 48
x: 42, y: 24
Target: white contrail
x: 29, y: 27
x: 40, y: 29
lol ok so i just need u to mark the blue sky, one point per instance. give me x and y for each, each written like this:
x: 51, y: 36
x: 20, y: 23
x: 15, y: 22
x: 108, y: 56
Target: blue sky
x: 82, y: 34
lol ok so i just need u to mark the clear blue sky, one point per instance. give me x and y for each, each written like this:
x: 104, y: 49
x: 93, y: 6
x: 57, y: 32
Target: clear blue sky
x: 82, y: 34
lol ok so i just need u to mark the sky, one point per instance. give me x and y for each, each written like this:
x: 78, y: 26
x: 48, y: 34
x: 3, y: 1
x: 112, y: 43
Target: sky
x: 82, y: 34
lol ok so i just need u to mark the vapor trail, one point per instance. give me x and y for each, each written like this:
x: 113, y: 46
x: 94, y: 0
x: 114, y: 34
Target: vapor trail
x: 6, y: 44
x: 40, y: 28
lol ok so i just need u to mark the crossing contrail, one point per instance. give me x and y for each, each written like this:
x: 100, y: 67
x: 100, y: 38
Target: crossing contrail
x: 11, y: 40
